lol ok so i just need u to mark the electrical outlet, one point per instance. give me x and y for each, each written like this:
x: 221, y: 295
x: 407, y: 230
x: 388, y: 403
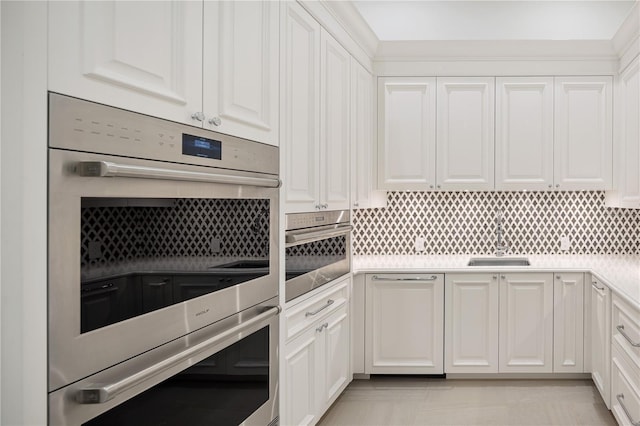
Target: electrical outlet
x: 565, y: 243
x: 420, y: 244
x: 215, y: 245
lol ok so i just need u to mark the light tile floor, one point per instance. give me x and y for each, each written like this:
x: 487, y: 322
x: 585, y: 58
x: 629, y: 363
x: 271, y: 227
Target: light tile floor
x: 404, y: 401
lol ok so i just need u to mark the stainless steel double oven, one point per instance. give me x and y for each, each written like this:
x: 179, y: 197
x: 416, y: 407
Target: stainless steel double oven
x: 163, y: 271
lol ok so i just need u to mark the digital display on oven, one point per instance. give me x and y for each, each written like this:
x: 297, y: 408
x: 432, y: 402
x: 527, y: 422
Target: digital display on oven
x: 201, y: 147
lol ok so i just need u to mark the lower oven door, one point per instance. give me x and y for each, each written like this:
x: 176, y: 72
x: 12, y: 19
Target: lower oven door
x: 223, y: 374
x: 136, y: 262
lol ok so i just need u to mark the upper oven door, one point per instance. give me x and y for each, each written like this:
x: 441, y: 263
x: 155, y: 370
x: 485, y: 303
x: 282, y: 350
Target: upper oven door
x: 135, y: 262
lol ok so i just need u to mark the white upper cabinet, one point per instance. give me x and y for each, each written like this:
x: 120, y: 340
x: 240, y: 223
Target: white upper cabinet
x: 240, y: 89
x: 627, y: 193
x: 583, y: 133
x: 465, y: 133
x: 207, y: 64
x: 524, y: 133
x: 140, y: 56
x: 315, y: 123
x: 406, y: 133
x: 335, y: 179
x: 300, y: 107
x: 362, y: 141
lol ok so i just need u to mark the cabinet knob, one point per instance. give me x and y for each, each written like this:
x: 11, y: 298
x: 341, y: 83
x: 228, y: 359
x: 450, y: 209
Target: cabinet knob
x: 503, y: 277
x: 325, y: 206
x: 439, y: 186
x: 495, y: 277
x: 431, y: 186
x: 558, y: 277
x: 215, y: 121
x: 557, y: 185
x: 356, y: 204
x: 550, y: 186
x: 198, y: 116
x: 318, y: 206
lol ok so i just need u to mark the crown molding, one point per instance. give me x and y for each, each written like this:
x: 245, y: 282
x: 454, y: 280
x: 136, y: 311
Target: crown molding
x: 351, y: 20
x: 626, y: 41
x: 495, y: 50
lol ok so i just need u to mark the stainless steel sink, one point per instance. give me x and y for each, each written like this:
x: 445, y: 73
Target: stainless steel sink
x: 498, y: 261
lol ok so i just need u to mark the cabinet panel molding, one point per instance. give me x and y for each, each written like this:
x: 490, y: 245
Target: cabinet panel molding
x: 406, y: 133
x: 524, y: 133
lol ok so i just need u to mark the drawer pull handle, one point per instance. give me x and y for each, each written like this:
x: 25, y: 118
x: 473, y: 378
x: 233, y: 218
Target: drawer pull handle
x: 593, y: 284
x: 626, y: 336
x: 620, y: 398
x: 322, y: 308
x: 322, y: 327
x: 431, y: 278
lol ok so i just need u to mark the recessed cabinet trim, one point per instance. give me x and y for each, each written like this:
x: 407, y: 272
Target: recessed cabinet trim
x: 524, y: 133
x: 406, y: 133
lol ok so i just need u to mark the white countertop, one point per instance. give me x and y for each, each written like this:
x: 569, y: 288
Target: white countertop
x: 619, y: 272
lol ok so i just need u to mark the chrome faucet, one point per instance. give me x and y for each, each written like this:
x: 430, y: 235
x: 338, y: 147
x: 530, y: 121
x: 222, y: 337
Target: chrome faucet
x: 501, y: 246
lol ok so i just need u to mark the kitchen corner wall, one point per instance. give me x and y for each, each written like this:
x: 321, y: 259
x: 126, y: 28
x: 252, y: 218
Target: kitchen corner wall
x: 465, y: 223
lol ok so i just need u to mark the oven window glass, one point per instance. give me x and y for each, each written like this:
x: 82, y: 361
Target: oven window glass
x: 304, y: 258
x: 224, y: 389
x: 139, y: 254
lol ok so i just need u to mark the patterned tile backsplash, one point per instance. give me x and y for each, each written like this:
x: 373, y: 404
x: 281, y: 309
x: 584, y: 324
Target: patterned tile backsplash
x: 465, y: 223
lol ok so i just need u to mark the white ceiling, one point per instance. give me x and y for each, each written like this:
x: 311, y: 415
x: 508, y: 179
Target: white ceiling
x: 494, y: 20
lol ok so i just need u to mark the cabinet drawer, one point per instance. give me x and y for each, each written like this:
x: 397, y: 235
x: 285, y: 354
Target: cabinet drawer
x: 625, y: 389
x: 625, y: 329
x: 304, y: 314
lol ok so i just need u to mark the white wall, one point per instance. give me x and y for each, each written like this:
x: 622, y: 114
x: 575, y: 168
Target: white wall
x: 23, y: 213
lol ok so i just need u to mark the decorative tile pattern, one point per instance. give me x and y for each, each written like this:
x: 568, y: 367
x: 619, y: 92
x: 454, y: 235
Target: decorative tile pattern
x: 111, y: 235
x: 465, y: 223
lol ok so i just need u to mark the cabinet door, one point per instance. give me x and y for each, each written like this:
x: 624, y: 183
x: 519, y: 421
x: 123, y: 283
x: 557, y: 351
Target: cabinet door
x: 301, y: 379
x: 404, y: 324
x: 140, y: 56
x: 406, y: 133
x: 240, y: 87
x: 568, y: 323
x: 465, y: 141
x: 336, y: 356
x: 335, y: 142
x: 600, y: 338
x: 300, y: 103
x: 157, y: 292
x: 471, y: 325
x: 583, y: 133
x: 524, y: 133
x: 526, y: 323
x: 363, y: 164
x: 628, y: 171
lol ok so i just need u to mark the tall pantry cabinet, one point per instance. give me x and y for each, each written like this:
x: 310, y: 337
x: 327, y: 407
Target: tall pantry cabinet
x: 315, y: 79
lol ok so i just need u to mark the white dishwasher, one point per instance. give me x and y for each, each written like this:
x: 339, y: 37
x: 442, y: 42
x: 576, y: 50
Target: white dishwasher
x: 404, y: 323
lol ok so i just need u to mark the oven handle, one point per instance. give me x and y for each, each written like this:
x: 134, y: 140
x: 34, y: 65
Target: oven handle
x: 103, y: 393
x: 109, y: 169
x: 307, y: 237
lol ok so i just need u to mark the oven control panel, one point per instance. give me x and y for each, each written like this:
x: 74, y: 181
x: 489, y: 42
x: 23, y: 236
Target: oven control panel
x: 81, y: 125
x: 310, y: 220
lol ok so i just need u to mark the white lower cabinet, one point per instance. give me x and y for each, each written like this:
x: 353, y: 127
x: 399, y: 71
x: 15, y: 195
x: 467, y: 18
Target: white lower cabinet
x: 514, y: 323
x: 526, y: 323
x: 471, y: 323
x: 625, y: 362
x: 404, y: 324
x: 317, y: 354
x: 601, y: 338
x: 568, y: 322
